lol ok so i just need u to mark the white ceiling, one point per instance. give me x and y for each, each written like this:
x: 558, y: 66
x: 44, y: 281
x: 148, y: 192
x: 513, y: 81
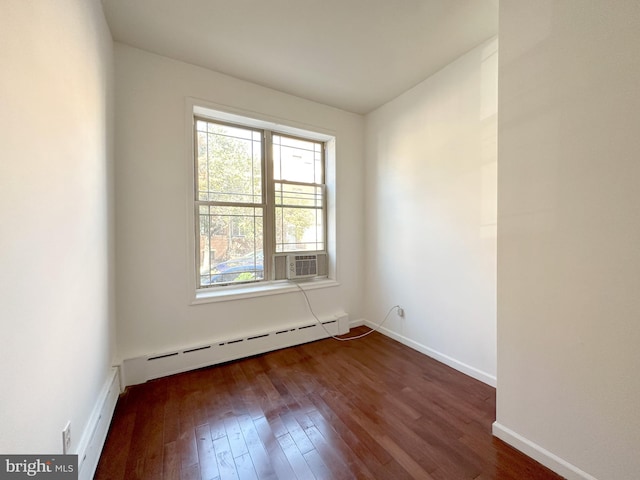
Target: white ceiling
x: 352, y: 54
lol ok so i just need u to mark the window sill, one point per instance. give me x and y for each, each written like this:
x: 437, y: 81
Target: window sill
x: 262, y: 289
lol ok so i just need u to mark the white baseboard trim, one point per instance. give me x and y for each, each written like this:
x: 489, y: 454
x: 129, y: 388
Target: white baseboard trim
x: 95, y: 433
x: 356, y: 323
x: 539, y: 454
x: 441, y: 357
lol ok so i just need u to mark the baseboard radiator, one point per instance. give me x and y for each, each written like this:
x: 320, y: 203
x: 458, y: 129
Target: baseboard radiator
x: 95, y: 433
x: 141, y: 369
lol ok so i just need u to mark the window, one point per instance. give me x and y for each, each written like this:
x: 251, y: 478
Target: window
x: 256, y: 191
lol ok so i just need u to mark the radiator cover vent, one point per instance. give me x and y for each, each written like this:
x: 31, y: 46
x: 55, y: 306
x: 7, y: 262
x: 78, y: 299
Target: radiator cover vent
x: 144, y: 368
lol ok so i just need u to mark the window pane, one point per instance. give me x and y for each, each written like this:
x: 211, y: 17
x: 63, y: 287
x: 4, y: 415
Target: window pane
x: 297, y: 160
x: 229, y: 163
x: 299, y: 217
x: 231, y: 240
x: 299, y: 229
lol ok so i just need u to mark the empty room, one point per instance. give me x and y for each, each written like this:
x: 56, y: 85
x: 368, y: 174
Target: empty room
x: 320, y: 239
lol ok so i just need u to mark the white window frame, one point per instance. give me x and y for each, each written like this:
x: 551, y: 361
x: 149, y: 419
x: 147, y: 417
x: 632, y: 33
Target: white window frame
x: 225, y: 114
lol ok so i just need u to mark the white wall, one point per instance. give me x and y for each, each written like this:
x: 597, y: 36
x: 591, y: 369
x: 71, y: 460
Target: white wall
x: 569, y: 234
x: 56, y: 261
x: 153, y: 206
x: 431, y: 214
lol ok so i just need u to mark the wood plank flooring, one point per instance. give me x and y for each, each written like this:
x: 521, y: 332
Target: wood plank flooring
x: 366, y: 409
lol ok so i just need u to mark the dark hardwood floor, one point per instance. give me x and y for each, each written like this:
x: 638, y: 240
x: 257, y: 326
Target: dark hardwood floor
x: 366, y: 409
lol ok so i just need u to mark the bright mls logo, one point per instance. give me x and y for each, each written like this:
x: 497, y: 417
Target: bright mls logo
x: 50, y: 467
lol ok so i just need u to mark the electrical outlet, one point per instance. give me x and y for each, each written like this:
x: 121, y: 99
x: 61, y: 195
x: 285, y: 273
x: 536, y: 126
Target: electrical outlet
x: 401, y: 312
x: 66, y: 438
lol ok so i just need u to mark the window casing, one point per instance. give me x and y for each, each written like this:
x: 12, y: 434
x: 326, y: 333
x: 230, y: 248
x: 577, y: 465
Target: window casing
x: 259, y: 195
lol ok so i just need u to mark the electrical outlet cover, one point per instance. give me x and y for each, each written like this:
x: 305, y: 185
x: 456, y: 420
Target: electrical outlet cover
x: 66, y: 438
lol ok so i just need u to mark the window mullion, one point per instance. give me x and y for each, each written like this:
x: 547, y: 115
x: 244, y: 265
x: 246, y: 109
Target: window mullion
x: 196, y: 192
x: 269, y: 212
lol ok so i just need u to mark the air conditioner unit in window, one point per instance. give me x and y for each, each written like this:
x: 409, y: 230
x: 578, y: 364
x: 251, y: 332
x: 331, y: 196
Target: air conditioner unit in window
x: 302, y: 266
